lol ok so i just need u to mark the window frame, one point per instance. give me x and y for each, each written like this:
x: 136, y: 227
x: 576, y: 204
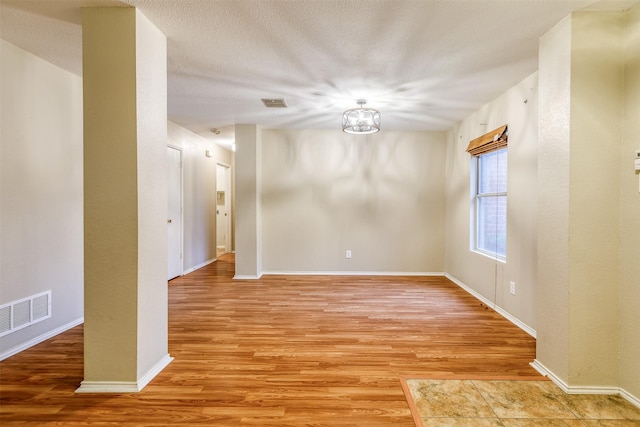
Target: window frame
x: 476, y: 198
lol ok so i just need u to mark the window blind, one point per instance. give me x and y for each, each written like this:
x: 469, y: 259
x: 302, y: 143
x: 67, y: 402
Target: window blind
x: 490, y: 141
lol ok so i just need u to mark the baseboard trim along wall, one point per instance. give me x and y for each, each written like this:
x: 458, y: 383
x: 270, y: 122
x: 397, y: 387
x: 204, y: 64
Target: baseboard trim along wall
x: 511, y: 318
x: 124, y: 386
x: 246, y: 277
x: 40, y: 338
x: 192, y: 269
x: 353, y: 273
x: 543, y: 370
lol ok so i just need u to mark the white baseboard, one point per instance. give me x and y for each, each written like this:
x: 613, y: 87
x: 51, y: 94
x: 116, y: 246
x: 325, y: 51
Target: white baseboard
x: 634, y: 400
x: 124, y: 386
x: 511, y: 318
x: 155, y: 370
x: 192, y: 269
x: 543, y: 370
x: 337, y: 273
x: 40, y: 338
x: 246, y: 277
x: 354, y: 273
x: 520, y: 324
x: 108, y: 387
x: 547, y: 373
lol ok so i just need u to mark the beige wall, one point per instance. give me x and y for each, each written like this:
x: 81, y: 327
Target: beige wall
x: 553, y: 198
x: 589, y: 281
x: 380, y: 196
x: 594, y: 182
x: 630, y: 212
x: 151, y: 98
x: 42, y: 201
x: 516, y: 108
x: 110, y: 196
x: 41, y: 190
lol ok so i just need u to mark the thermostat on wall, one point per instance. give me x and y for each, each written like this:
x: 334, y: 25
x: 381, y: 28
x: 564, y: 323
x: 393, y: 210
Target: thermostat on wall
x: 637, y: 166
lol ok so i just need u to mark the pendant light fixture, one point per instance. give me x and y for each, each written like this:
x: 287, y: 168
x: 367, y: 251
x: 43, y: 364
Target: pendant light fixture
x: 361, y: 121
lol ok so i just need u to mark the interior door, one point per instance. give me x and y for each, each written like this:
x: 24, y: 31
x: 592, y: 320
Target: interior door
x: 174, y: 212
x: 222, y: 209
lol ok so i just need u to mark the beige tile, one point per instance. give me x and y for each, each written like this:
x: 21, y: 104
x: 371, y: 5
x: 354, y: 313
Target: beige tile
x: 601, y: 406
x: 524, y: 399
x: 448, y: 399
x: 611, y: 423
x: 541, y: 422
x: 461, y: 422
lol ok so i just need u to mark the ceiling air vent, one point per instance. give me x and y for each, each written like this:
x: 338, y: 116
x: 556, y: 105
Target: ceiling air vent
x: 274, y: 102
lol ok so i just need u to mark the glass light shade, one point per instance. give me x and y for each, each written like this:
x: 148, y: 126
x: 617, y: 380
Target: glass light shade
x: 361, y: 120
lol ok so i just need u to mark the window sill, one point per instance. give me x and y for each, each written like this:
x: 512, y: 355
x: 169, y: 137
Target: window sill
x: 490, y: 255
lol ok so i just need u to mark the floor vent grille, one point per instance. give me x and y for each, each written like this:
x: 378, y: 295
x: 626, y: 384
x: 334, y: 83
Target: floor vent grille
x: 24, y: 312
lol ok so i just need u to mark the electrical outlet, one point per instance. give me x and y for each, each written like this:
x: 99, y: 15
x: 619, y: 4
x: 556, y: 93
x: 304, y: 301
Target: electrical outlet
x: 348, y: 254
x: 512, y: 288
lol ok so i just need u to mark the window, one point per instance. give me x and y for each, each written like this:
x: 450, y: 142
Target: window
x: 490, y: 210
x: 489, y: 193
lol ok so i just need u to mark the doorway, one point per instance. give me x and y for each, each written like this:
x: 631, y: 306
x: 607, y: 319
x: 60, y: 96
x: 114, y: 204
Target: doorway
x: 174, y: 212
x: 223, y: 209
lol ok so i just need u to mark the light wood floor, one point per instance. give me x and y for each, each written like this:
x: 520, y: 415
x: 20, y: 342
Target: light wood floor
x: 280, y: 351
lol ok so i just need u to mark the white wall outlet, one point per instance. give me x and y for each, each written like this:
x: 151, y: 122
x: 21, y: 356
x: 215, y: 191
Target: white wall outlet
x: 512, y: 288
x: 348, y: 254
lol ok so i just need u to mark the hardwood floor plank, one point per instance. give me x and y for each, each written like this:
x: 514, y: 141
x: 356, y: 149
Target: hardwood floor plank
x: 279, y: 351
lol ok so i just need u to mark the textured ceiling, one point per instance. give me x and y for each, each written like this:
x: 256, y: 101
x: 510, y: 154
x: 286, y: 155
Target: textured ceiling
x: 424, y: 64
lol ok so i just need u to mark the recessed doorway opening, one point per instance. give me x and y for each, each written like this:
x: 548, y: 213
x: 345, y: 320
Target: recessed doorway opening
x: 223, y: 209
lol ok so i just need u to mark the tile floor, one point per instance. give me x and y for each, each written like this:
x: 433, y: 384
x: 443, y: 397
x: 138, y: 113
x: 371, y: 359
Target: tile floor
x: 513, y: 404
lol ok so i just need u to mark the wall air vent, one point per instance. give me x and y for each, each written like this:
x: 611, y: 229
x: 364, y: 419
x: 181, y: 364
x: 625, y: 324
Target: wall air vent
x: 274, y: 102
x: 24, y: 312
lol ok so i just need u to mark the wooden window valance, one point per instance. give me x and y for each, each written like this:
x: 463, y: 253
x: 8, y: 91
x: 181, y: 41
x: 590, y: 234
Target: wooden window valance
x: 490, y: 141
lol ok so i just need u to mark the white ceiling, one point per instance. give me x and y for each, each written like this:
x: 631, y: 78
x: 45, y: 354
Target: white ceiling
x: 424, y: 64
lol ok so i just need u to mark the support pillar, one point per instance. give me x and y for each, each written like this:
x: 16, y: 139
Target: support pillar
x: 248, y: 179
x: 125, y: 200
x: 580, y: 136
